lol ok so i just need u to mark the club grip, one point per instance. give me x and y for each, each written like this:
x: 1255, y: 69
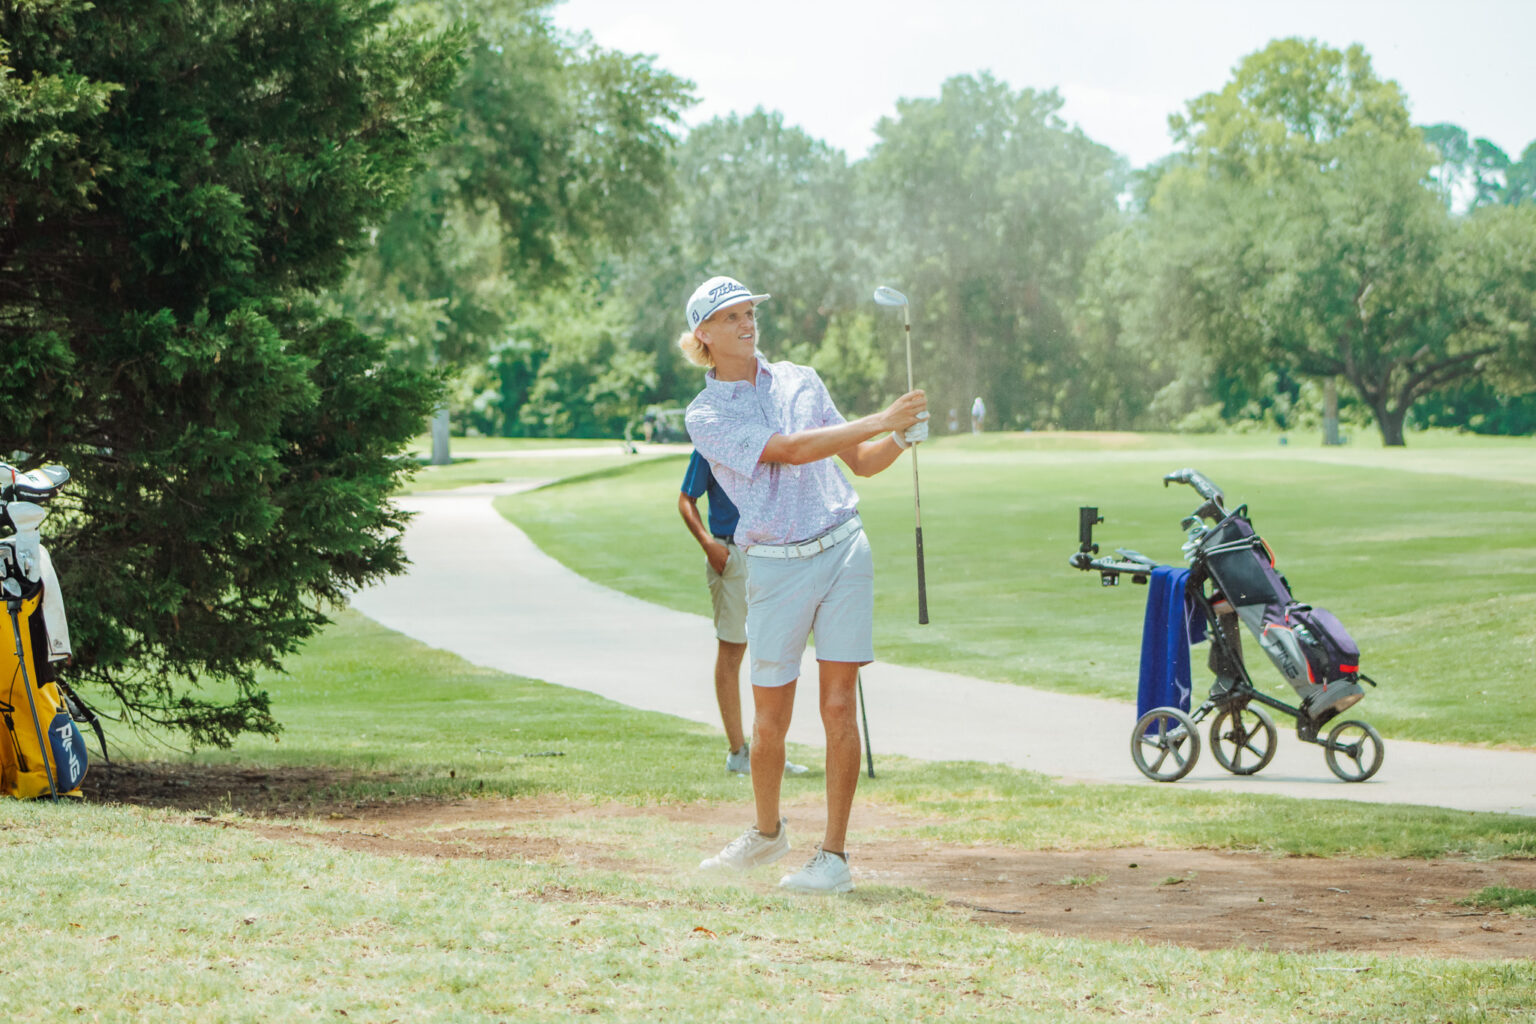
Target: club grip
x: 922, y: 583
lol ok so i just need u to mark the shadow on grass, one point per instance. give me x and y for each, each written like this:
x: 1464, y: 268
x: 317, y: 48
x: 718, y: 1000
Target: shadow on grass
x: 268, y: 791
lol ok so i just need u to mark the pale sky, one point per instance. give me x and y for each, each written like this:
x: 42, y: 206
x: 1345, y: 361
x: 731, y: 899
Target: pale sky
x: 835, y: 67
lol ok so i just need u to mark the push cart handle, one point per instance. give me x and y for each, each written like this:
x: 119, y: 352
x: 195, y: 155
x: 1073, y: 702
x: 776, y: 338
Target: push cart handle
x: 1198, y: 481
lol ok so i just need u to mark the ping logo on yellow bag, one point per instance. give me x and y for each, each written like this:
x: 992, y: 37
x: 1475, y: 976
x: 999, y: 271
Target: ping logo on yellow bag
x: 68, y: 749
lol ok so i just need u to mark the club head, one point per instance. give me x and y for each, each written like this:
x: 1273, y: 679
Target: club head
x: 889, y: 297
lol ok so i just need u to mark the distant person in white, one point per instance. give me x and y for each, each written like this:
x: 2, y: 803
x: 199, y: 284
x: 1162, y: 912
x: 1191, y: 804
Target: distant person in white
x: 978, y: 414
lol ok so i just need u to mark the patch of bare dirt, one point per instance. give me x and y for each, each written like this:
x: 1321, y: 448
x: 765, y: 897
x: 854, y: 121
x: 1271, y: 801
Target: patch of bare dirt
x: 1204, y: 899
x: 260, y: 791
x: 1211, y: 899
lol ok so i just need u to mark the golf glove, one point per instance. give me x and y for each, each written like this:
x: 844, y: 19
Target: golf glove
x: 913, y: 434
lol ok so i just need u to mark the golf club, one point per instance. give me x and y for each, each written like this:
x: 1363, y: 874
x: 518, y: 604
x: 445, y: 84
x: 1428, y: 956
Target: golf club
x: 869, y: 754
x: 891, y: 297
x: 13, y: 603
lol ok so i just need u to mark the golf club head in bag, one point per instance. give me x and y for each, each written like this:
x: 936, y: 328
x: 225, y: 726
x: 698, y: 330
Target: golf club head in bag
x: 34, y: 485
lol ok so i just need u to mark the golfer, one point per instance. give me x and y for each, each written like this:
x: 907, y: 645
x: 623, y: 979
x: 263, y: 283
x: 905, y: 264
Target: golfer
x: 769, y: 431
x: 725, y: 571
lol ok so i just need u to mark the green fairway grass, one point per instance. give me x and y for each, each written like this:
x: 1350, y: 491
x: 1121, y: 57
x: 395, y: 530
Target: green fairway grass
x: 471, y: 447
x: 1427, y: 554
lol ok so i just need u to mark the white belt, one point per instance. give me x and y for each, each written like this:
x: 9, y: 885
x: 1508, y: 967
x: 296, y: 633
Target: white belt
x: 815, y: 546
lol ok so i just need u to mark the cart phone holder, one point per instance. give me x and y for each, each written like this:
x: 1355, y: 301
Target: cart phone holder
x: 1132, y: 563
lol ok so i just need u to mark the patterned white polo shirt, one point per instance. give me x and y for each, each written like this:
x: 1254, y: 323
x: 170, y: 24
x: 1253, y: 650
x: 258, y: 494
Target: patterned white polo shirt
x: 730, y: 423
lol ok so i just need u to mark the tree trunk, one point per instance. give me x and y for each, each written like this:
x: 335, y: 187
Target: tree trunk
x: 1391, y: 423
x: 1331, y: 411
x: 440, y: 453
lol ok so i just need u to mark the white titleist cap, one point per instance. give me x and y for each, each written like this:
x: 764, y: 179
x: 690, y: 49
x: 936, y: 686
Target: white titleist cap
x: 714, y: 295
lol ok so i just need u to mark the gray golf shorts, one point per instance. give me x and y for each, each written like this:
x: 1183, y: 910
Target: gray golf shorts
x: 831, y: 593
x: 728, y: 593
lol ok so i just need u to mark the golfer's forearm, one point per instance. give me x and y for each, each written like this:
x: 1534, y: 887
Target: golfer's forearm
x: 822, y: 442
x: 871, y: 457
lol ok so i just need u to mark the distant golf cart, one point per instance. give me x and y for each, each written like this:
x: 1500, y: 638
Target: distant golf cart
x: 663, y: 426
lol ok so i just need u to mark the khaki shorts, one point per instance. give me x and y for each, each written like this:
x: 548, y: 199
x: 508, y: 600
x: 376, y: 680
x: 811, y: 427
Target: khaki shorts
x: 728, y: 593
x: 831, y: 593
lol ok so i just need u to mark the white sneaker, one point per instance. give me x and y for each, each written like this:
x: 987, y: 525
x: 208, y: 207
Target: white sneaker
x: 750, y: 849
x: 826, y: 872
x: 740, y: 762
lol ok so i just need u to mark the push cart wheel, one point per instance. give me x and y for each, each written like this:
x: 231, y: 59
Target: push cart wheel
x: 1354, y: 751
x: 1165, y: 744
x: 1243, y: 739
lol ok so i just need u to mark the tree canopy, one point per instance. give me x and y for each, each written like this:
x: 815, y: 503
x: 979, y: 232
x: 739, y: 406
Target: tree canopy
x: 1297, y: 233
x: 558, y: 156
x: 180, y: 180
x: 986, y: 205
x: 1237, y: 279
x: 758, y: 200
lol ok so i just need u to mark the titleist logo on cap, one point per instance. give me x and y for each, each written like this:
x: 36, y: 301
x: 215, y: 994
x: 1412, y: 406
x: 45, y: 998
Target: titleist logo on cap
x: 714, y: 295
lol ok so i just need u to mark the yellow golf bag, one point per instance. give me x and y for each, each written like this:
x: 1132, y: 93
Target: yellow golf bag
x: 41, y: 750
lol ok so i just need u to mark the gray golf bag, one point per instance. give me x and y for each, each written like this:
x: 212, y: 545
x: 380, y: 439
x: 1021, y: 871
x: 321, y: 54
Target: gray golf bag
x: 1308, y: 645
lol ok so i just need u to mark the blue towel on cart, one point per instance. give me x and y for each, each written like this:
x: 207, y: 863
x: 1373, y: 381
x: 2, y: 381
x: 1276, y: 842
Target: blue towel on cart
x: 1171, y: 625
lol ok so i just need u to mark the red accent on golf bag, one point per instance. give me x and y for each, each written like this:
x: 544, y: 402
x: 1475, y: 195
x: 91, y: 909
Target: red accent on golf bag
x: 1331, y: 652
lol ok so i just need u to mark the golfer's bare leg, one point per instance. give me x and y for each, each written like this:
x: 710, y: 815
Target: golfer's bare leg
x: 728, y: 690
x: 773, y: 706
x: 839, y: 716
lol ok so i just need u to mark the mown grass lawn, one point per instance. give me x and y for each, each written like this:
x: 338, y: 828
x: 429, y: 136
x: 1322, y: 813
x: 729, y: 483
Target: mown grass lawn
x: 1428, y: 555
x: 133, y: 916
x: 140, y: 914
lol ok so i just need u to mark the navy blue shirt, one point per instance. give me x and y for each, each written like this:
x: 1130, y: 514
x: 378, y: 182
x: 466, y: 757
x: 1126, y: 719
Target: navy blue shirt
x: 722, y: 512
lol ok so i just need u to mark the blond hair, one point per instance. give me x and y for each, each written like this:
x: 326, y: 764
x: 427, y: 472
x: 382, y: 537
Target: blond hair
x: 695, y: 351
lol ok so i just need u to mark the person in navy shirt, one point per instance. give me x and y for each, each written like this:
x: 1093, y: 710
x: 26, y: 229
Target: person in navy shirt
x: 726, y: 574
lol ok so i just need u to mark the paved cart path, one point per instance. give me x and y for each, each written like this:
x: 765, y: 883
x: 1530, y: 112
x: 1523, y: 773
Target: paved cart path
x: 480, y: 588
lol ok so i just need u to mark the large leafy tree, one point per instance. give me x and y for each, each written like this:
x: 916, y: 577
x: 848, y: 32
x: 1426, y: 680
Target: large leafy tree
x: 559, y: 155
x: 762, y: 201
x: 1302, y: 233
x: 984, y: 208
x: 178, y: 180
